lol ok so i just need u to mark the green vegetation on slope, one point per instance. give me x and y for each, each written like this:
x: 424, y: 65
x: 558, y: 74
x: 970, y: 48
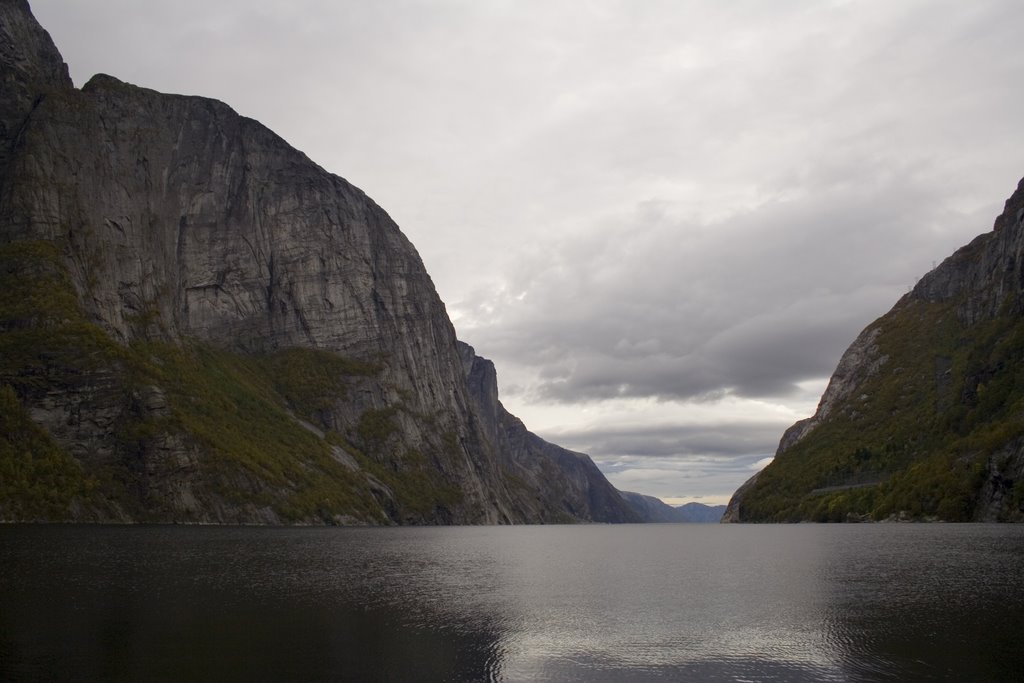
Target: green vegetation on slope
x: 416, y: 479
x: 232, y: 419
x: 229, y: 406
x: 42, y: 328
x: 37, y: 479
x: 917, y: 438
x: 44, y: 340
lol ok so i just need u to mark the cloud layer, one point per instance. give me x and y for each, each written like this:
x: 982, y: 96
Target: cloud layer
x: 658, y: 305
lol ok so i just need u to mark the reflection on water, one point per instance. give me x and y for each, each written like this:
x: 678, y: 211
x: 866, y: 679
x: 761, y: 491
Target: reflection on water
x: 591, y: 603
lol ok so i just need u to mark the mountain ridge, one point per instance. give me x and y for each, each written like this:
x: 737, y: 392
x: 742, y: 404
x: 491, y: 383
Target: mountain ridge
x: 924, y: 416
x: 653, y: 509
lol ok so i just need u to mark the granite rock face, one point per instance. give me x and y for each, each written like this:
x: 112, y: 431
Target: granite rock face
x: 583, y: 492
x: 188, y: 234
x: 922, y: 418
x: 31, y: 64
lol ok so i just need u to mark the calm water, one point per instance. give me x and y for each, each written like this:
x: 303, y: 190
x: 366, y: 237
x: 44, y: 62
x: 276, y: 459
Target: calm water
x: 591, y: 603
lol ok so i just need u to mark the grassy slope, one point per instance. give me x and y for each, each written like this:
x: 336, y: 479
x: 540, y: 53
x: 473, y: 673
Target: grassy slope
x: 235, y: 412
x: 916, y: 439
x: 38, y: 480
x: 42, y: 334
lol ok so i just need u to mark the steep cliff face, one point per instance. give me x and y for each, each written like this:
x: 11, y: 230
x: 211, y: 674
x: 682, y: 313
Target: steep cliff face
x: 924, y: 417
x: 31, y: 65
x: 207, y: 326
x: 582, y: 492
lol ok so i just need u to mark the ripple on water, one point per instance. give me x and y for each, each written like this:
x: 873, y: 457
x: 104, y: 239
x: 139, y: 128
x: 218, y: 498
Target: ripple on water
x: 601, y: 603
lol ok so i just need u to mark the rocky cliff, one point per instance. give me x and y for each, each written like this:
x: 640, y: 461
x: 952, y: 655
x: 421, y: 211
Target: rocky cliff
x: 924, y: 416
x: 199, y: 324
x: 583, y: 492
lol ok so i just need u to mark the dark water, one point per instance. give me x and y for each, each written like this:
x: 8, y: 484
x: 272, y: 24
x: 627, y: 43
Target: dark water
x: 591, y: 603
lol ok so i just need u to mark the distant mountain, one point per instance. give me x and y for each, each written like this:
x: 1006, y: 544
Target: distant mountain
x: 199, y: 324
x: 924, y: 416
x: 651, y: 509
x: 700, y: 513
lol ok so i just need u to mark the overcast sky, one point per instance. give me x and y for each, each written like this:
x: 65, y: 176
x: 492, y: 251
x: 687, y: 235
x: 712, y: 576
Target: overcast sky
x: 663, y: 220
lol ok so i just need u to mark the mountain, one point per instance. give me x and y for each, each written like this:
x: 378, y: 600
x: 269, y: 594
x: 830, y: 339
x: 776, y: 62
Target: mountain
x: 700, y: 513
x: 199, y: 324
x: 924, y: 416
x: 651, y: 509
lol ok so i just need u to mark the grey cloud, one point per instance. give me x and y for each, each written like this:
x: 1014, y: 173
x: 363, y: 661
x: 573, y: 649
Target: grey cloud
x: 692, y: 478
x: 657, y: 306
x: 722, y: 439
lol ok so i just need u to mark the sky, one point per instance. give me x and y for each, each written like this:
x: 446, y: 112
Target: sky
x: 664, y: 221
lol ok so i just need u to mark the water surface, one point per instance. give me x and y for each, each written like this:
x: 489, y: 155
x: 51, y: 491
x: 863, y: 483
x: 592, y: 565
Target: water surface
x: 559, y: 603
